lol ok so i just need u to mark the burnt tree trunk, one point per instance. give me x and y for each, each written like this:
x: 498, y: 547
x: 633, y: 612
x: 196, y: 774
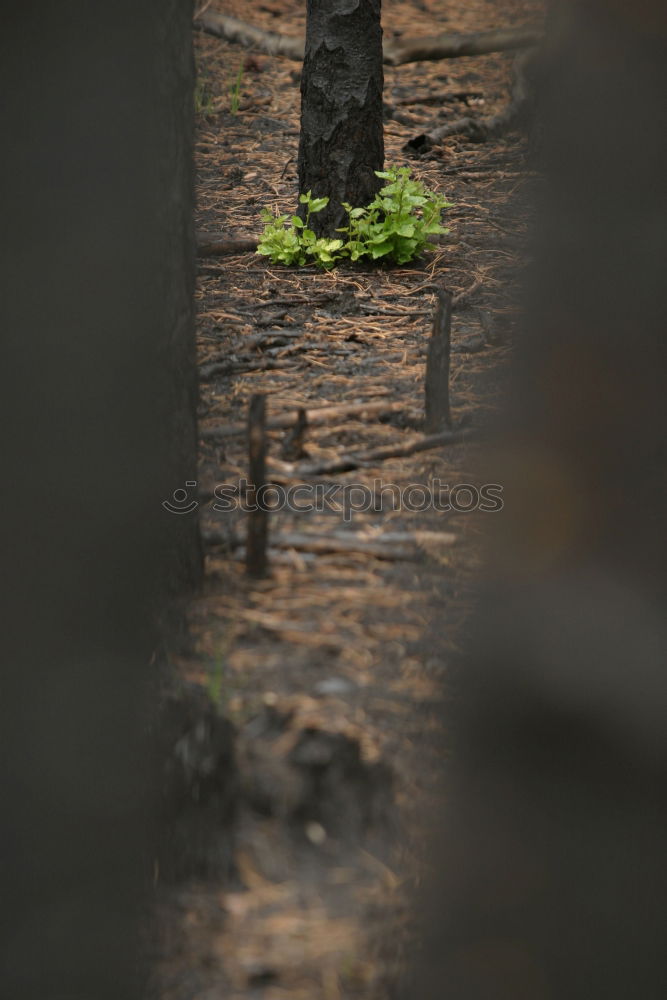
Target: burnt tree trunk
x: 341, y: 141
x: 553, y: 868
x: 97, y: 385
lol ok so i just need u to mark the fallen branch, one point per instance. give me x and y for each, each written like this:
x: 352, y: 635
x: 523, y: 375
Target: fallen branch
x: 460, y: 299
x: 393, y: 545
x: 258, y: 515
x: 439, y: 98
x: 222, y: 368
x: 432, y: 286
x: 446, y: 46
x: 233, y: 30
x: 315, y: 418
x: 373, y: 456
x: 257, y: 340
x: 396, y: 53
x: 219, y: 245
x: 324, y: 544
x: 481, y: 131
x: 287, y: 300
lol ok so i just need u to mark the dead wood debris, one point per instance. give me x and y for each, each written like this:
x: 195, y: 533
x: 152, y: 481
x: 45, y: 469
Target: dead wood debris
x: 506, y: 120
x: 448, y: 46
x: 258, y: 515
x: 208, y: 372
x: 400, y: 545
x: 292, y: 448
x: 396, y: 53
x: 233, y: 30
x: 436, y: 381
x: 373, y: 456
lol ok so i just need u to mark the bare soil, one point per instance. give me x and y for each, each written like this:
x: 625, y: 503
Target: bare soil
x: 333, y: 669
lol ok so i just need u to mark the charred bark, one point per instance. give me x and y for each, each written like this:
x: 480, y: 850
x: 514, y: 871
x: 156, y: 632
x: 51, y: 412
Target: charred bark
x: 98, y: 428
x: 341, y: 141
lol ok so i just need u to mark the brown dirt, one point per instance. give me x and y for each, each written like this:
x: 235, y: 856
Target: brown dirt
x: 340, y: 658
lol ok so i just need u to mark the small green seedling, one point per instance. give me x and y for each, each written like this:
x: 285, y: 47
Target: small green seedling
x: 295, y: 242
x: 235, y: 92
x: 397, y: 225
x: 214, y: 683
x: 398, y: 222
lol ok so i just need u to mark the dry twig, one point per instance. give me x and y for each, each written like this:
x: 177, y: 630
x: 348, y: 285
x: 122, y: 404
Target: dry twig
x: 373, y: 456
x: 436, y: 382
x: 258, y: 515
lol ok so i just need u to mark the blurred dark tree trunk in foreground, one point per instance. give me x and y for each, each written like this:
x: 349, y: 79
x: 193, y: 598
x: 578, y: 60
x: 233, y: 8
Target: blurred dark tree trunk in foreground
x: 553, y: 868
x: 98, y: 429
x: 341, y: 142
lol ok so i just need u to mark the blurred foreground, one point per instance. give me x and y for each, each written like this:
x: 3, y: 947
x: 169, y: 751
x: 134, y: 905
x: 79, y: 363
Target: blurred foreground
x: 553, y: 868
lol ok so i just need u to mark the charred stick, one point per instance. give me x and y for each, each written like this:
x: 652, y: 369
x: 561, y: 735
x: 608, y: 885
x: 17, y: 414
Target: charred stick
x: 437, y: 414
x: 256, y: 561
x: 293, y: 449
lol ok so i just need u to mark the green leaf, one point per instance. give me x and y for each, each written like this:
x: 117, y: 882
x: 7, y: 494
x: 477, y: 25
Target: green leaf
x: 379, y: 238
x: 381, y: 250
x: 297, y: 222
x: 317, y: 204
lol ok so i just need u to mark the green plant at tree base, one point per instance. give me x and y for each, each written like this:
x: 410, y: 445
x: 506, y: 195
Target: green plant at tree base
x: 293, y: 243
x: 396, y: 225
x: 399, y: 220
x: 235, y: 92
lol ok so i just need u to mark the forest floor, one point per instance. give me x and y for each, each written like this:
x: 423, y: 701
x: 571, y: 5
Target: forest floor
x: 333, y: 668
